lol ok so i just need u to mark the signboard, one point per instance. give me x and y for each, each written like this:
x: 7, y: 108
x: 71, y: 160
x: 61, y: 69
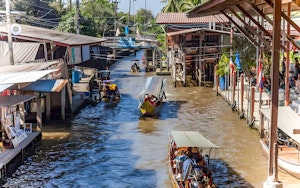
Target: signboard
x: 75, y: 55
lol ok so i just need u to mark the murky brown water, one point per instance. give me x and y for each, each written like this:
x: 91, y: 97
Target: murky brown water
x: 109, y: 146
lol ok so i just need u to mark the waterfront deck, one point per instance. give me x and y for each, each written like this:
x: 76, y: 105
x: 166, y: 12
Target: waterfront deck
x: 9, y: 154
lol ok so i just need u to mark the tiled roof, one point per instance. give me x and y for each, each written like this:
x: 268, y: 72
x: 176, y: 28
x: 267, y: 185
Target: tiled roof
x: 181, y: 18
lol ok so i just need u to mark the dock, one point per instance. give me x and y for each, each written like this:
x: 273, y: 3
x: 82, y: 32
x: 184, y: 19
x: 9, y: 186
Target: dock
x: 9, y: 154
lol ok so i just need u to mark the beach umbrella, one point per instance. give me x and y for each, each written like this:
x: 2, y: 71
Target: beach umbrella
x: 238, y: 61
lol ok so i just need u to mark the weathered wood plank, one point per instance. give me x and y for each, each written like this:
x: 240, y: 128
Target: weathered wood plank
x: 9, y: 154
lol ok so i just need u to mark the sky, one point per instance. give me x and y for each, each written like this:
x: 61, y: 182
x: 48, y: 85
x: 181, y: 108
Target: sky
x: 153, y: 5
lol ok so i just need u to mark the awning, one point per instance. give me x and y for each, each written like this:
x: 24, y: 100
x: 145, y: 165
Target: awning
x: 46, y: 86
x: 191, y: 139
x: 5, y: 86
x: 22, y: 52
x: 23, y: 77
x: 11, y: 100
x: 27, y: 67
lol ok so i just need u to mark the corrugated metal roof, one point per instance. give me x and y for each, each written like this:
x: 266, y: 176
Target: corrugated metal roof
x: 46, y: 86
x: 23, y: 77
x: 27, y: 67
x: 191, y: 139
x: 6, y: 101
x: 48, y: 35
x: 181, y: 18
x: 196, y: 30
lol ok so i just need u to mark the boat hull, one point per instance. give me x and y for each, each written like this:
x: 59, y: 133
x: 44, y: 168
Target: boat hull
x: 148, y: 109
x: 287, y: 159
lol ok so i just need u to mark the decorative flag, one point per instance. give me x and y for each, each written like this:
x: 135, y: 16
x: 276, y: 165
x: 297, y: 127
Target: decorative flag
x: 238, y: 61
x: 117, y: 32
x: 231, y: 66
x: 126, y: 30
x: 260, y: 76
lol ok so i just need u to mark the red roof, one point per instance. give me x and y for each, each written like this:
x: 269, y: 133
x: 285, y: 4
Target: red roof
x: 181, y: 18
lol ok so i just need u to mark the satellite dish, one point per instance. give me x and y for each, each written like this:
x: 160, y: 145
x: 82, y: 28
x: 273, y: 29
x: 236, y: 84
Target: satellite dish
x: 15, y: 29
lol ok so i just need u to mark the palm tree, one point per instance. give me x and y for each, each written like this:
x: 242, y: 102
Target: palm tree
x: 180, y: 5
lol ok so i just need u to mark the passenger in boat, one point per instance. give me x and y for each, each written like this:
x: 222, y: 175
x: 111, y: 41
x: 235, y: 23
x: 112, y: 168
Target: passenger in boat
x: 146, y: 97
x: 153, y: 100
x: 196, y: 154
x: 199, y: 174
x: 107, y: 91
x: 187, y: 168
x: 179, y: 159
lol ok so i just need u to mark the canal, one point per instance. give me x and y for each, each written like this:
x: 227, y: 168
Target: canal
x: 109, y: 146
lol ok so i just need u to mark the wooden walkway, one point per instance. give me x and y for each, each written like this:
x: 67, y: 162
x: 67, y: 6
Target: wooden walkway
x: 246, y: 111
x: 9, y: 154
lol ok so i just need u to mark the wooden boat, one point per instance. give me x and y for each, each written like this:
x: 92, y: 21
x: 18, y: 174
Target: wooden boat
x: 134, y: 67
x: 151, y: 97
x: 109, y: 91
x: 288, y: 139
x: 194, y: 142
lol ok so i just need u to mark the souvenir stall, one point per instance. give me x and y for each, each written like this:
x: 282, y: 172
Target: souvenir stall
x: 13, y: 127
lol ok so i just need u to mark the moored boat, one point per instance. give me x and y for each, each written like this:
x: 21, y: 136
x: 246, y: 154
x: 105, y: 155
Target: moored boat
x: 288, y: 139
x: 151, y: 97
x: 109, y: 91
x: 193, y: 144
x: 135, y: 67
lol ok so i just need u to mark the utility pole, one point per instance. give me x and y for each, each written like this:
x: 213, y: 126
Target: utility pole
x: 129, y: 13
x: 9, y: 35
x: 77, y: 17
x: 115, y: 4
x: 145, y: 14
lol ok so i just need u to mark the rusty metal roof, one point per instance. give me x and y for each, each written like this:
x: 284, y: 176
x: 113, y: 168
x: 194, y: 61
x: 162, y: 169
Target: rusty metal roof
x: 59, y: 38
x: 213, y: 7
x: 12, y: 100
x: 181, y: 18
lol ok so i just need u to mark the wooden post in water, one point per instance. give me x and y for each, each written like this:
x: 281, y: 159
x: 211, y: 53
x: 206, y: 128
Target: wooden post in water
x: 216, y: 80
x: 63, y: 103
x: 39, y: 114
x: 233, y: 86
x: 261, y: 125
x: 48, y: 106
x: 252, y: 103
x: 242, y: 92
x: 272, y: 180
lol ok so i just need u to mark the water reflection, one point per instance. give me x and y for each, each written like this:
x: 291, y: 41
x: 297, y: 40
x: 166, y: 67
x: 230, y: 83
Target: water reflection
x: 109, y: 146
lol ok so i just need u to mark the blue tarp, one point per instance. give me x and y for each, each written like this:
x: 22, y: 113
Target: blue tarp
x: 238, y: 61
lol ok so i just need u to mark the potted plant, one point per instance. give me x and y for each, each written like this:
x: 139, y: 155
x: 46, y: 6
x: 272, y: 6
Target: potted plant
x: 222, y: 69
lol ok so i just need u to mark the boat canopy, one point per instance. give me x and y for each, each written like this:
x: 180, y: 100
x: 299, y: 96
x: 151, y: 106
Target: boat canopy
x: 288, y: 121
x: 191, y: 139
x: 153, y: 86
